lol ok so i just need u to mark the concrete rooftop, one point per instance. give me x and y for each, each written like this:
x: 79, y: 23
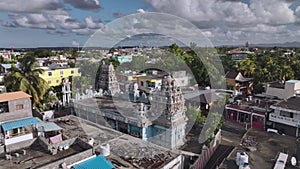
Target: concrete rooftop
x: 125, y: 150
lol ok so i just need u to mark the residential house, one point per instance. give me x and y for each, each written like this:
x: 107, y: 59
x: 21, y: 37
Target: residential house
x: 286, y: 116
x: 238, y: 54
x: 239, y: 82
x: 202, y: 99
x: 250, y: 111
x: 16, y: 121
x: 149, y: 83
x: 124, y: 58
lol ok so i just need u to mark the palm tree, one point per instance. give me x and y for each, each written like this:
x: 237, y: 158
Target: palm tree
x: 247, y: 66
x: 26, y: 78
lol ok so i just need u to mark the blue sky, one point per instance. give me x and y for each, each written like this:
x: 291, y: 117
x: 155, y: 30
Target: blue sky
x: 58, y: 23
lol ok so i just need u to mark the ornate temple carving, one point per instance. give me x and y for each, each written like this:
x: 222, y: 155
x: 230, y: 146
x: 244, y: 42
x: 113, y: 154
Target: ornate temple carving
x: 107, y: 80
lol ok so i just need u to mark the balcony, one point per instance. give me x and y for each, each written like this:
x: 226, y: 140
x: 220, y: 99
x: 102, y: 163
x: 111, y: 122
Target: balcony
x: 284, y: 120
x: 18, y: 138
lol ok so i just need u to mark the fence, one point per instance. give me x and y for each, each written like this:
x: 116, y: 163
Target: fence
x: 207, y: 152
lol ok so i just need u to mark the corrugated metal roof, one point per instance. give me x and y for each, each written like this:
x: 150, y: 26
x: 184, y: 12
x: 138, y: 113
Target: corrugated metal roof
x: 19, y: 123
x: 47, y: 126
x: 98, y: 162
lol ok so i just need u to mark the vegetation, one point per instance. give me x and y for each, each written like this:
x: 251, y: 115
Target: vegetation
x: 214, y: 123
x: 90, y: 72
x: 266, y: 66
x: 194, y: 113
x: 25, y: 78
x: 205, y: 67
x: 50, y: 100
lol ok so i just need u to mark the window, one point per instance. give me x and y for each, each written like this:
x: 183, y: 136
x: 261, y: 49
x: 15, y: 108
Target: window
x: 15, y: 131
x: 19, y: 106
x: 72, y: 71
x: 49, y: 73
x: 3, y: 107
x: 142, y: 83
x: 150, y: 84
x: 135, y: 134
x: 49, y: 82
x: 57, y: 81
x: 286, y: 114
x: 61, y: 72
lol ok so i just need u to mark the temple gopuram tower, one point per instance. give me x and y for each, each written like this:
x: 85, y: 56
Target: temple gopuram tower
x: 168, y: 105
x: 107, y: 81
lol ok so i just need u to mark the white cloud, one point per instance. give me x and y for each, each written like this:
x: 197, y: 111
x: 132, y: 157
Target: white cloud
x: 82, y: 31
x: 65, y: 21
x: 140, y: 11
x: 236, y: 22
x: 229, y: 12
x: 272, y: 12
x: 297, y: 12
x: 32, y: 6
x: 93, y: 23
x: 84, y: 4
x: 75, y: 43
x: 33, y: 21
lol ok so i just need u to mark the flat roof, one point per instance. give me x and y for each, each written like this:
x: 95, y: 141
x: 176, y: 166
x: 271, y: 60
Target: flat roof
x: 118, y: 106
x: 262, y: 106
x: 47, y: 126
x: 125, y: 150
x: 268, y: 146
x: 37, y: 157
x: 291, y: 103
x: 278, y: 85
x: 13, y: 96
x: 293, y: 81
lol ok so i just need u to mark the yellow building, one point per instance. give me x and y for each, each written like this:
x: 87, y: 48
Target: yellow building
x: 148, y: 83
x: 55, y: 76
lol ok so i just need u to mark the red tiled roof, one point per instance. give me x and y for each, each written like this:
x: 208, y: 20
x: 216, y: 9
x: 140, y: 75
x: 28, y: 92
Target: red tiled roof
x: 13, y: 96
x: 231, y: 75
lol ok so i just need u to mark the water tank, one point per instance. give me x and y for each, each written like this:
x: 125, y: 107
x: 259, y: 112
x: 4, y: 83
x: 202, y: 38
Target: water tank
x: 242, y: 159
x: 91, y: 141
x: 294, y: 161
x: 105, y: 150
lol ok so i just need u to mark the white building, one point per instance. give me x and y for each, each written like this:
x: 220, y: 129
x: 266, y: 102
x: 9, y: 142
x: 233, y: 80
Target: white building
x: 286, y: 116
x: 283, y: 90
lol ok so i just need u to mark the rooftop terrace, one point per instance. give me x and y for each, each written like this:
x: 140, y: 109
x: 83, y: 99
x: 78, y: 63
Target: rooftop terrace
x: 126, y: 151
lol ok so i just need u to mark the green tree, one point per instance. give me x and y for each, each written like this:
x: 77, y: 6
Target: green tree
x: 26, y: 78
x: 195, y: 114
x: 50, y: 99
x: 228, y: 63
x: 1, y: 59
x: 247, y: 66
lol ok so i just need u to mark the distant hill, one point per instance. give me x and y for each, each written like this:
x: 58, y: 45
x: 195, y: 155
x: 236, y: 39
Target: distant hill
x: 284, y: 45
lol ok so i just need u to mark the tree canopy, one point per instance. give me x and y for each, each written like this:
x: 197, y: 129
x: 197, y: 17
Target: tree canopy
x: 26, y: 78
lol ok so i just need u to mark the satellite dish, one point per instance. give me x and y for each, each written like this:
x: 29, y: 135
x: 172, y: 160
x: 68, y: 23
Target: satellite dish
x: 293, y: 161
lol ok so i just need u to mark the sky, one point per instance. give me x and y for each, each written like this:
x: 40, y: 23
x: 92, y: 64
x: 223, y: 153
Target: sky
x: 69, y: 23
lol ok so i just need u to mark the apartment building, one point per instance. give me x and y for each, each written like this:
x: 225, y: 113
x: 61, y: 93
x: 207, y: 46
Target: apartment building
x: 54, y: 75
